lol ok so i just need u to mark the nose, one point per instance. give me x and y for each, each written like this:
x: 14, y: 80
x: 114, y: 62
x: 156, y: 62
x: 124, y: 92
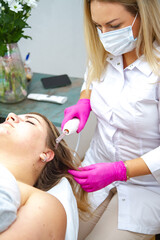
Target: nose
x: 12, y: 117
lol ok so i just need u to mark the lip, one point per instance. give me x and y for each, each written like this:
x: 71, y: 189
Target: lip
x: 7, y: 122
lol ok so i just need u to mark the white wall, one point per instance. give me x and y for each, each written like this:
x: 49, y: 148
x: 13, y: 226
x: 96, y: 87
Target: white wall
x: 57, y: 44
x: 58, y: 47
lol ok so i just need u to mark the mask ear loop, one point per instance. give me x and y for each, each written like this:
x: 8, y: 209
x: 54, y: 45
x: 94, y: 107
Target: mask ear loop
x: 134, y: 19
x: 135, y: 39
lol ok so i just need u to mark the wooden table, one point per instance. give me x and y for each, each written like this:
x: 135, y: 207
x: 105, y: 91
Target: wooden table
x: 54, y: 112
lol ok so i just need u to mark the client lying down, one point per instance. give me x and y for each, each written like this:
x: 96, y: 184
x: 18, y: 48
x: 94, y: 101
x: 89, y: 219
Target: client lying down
x: 30, y: 165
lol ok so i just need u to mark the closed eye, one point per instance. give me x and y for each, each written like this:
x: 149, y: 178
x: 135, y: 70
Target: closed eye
x: 30, y: 122
x: 115, y: 26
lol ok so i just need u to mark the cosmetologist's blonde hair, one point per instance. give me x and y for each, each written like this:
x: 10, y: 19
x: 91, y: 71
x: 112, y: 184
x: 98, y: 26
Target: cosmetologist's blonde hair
x: 149, y: 12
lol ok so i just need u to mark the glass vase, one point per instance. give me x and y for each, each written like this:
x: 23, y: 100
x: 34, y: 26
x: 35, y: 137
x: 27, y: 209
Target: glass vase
x: 13, y: 83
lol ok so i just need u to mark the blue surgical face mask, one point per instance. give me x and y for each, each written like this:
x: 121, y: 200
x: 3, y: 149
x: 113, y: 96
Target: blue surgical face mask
x: 119, y: 41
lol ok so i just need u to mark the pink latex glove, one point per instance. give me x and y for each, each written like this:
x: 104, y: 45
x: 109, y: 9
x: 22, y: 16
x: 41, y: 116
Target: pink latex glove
x: 81, y: 111
x: 99, y: 175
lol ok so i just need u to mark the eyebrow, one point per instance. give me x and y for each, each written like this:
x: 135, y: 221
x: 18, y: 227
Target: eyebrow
x: 107, y: 23
x: 29, y: 116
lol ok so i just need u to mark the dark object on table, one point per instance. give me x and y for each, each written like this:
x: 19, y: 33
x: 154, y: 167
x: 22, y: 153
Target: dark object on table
x: 158, y: 237
x: 56, y: 81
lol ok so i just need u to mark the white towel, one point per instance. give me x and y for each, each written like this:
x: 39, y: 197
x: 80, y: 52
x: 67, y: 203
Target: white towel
x: 9, y: 198
x: 63, y: 192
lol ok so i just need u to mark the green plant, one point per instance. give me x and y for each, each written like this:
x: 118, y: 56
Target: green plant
x: 13, y: 21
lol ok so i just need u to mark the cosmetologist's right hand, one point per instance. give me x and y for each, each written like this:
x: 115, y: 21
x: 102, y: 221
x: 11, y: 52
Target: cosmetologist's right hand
x: 81, y: 111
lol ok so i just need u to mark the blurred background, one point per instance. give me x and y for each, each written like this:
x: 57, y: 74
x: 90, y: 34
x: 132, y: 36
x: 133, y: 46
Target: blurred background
x: 57, y: 47
x: 57, y: 44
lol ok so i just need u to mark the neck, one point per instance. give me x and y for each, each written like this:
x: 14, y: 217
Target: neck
x: 19, y: 167
x: 129, y: 58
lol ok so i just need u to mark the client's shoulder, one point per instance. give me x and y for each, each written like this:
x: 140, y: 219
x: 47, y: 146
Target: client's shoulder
x: 44, y: 211
x: 31, y: 195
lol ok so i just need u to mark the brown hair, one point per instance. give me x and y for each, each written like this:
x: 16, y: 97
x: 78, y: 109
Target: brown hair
x: 58, y: 168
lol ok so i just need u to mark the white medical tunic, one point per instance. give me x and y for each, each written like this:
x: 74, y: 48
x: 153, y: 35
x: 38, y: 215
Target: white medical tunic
x: 126, y: 104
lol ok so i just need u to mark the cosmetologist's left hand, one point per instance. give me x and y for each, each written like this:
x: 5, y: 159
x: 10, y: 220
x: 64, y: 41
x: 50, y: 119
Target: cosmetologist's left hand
x: 99, y: 175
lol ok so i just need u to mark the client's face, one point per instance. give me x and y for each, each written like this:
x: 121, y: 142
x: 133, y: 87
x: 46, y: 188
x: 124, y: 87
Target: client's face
x: 24, y: 133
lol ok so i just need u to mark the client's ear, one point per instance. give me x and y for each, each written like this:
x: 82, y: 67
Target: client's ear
x: 47, y: 156
x: 50, y: 155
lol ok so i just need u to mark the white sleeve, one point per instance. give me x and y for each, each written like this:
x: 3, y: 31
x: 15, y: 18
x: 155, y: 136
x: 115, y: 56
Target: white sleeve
x: 152, y: 158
